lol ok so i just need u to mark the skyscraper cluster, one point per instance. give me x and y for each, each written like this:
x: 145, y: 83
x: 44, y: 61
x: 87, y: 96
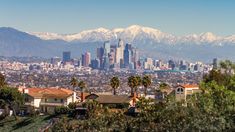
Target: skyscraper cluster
x: 117, y: 56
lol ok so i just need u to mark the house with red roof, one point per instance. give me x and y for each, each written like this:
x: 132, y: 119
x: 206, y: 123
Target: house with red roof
x: 45, y: 100
x: 184, y: 91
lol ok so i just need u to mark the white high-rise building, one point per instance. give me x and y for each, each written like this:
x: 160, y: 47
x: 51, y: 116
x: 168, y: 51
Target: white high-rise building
x: 148, y: 64
x: 119, y: 51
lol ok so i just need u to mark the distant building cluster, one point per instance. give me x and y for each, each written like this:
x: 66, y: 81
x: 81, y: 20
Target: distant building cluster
x: 125, y: 56
x: 107, y: 57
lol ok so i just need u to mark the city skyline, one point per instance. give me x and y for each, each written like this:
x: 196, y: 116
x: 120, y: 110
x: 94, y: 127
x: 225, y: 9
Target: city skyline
x: 76, y: 16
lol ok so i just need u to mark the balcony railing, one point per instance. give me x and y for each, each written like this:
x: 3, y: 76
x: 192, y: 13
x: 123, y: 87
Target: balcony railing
x: 28, y: 103
x: 53, y: 104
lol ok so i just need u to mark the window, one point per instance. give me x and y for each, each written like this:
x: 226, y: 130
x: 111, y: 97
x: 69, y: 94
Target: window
x: 26, y: 99
x: 55, y: 99
x: 180, y: 91
x: 61, y: 100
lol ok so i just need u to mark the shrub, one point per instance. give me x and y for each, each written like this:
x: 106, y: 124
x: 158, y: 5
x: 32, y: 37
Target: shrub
x: 61, y: 110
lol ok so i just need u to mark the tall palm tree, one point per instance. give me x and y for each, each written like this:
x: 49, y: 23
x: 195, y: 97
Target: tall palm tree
x: 139, y: 82
x: 115, y: 83
x: 74, y: 83
x: 146, y: 81
x: 132, y: 83
x: 82, y: 86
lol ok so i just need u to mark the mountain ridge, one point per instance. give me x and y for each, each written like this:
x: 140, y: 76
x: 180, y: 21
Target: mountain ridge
x: 151, y: 43
x: 130, y: 33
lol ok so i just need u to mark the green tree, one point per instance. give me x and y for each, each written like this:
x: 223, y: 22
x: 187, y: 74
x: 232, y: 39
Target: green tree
x: 74, y: 82
x: 12, y: 98
x: 115, y: 83
x: 146, y: 81
x: 2, y: 81
x: 227, y: 65
x: 133, y: 83
x: 223, y: 76
x: 139, y: 80
x: 82, y: 86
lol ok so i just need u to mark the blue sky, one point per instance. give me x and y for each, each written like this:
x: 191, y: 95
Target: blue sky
x: 179, y: 17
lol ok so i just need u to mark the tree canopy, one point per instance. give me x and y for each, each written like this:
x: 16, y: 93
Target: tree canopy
x: 115, y: 83
x: 2, y: 80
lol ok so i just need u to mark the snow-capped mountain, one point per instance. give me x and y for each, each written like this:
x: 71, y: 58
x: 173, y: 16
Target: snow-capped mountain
x: 128, y: 34
x: 136, y: 33
x: 151, y: 42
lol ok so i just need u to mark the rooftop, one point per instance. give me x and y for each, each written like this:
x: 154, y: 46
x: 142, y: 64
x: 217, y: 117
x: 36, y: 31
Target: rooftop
x: 48, y: 92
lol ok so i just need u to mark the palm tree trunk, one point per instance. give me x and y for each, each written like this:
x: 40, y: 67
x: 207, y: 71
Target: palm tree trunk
x: 145, y: 91
x: 114, y: 91
x: 132, y: 92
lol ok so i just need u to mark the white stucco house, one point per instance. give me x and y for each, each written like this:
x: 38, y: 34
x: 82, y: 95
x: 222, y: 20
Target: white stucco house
x: 183, y: 91
x: 45, y: 100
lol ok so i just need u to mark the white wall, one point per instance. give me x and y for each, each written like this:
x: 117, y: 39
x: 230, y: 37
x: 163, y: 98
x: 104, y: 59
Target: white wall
x: 36, y: 102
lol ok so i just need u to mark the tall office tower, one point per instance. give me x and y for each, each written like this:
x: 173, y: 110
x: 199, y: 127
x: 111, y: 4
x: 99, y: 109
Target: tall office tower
x: 79, y: 63
x: 66, y: 56
x: 119, y: 51
x: 112, y: 57
x: 171, y: 64
x: 121, y: 43
x: 105, y: 58
x: 215, y: 63
x: 100, y: 55
x: 86, y: 59
x: 135, y: 57
x: 106, y: 64
x: 127, y: 55
x: 118, y: 55
x: 95, y: 64
x: 106, y: 47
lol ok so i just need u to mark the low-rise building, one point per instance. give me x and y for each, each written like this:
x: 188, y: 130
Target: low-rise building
x: 107, y: 100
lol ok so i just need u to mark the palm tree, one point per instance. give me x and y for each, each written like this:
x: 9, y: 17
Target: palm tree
x: 146, y: 81
x: 82, y: 85
x: 115, y: 83
x: 139, y: 81
x: 163, y: 86
x: 132, y: 83
x: 74, y: 83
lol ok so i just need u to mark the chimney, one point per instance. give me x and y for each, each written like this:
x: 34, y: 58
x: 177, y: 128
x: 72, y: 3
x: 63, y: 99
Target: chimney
x: 82, y: 96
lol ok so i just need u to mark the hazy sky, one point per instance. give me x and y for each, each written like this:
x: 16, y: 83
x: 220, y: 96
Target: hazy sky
x: 179, y: 17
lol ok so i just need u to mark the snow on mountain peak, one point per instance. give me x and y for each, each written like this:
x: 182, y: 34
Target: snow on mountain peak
x: 208, y: 37
x: 135, y: 33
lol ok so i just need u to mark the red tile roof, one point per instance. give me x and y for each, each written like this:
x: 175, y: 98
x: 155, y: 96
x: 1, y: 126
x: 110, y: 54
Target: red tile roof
x: 49, y: 92
x: 190, y: 86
